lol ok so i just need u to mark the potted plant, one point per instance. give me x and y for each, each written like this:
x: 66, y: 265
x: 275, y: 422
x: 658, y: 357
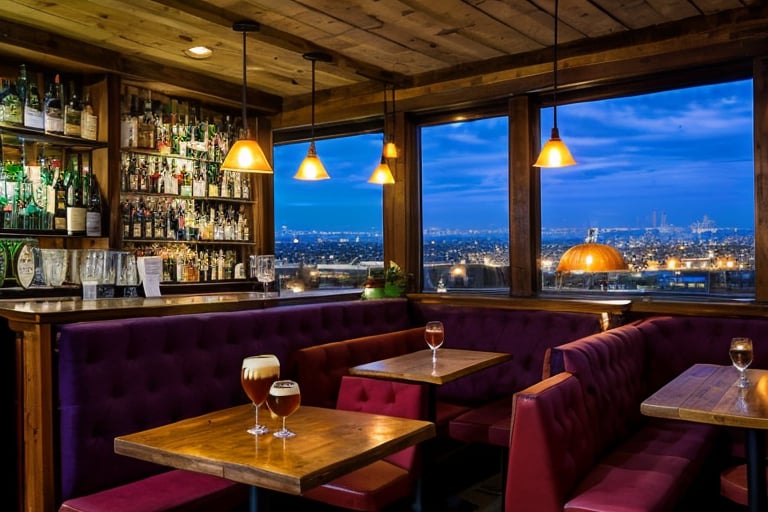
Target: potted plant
x: 394, y: 281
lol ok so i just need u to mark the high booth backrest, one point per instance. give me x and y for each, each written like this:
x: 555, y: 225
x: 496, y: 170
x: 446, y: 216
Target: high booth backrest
x: 121, y: 376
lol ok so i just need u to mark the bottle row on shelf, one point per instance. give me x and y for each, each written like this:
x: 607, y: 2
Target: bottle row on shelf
x: 165, y: 218
x: 56, y: 113
x: 185, y: 264
x: 51, y: 198
x: 184, y: 176
x: 176, y: 127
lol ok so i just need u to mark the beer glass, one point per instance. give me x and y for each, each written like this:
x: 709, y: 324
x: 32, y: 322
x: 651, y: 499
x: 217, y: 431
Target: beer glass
x: 257, y: 375
x: 283, y: 400
x: 434, y: 334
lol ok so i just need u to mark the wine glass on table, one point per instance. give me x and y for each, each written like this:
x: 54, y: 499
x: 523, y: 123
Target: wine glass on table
x: 434, y: 334
x: 741, y: 356
x: 257, y: 375
x: 283, y: 400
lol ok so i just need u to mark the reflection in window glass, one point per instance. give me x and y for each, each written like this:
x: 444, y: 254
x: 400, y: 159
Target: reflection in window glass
x: 465, y: 205
x: 665, y: 179
x: 328, y: 233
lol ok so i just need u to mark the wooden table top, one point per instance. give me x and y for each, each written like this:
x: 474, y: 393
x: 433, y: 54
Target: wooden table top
x: 328, y: 444
x: 707, y: 393
x: 417, y: 366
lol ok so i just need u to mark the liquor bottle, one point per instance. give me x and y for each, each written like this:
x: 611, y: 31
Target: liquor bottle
x: 89, y: 121
x: 33, y: 108
x: 75, y: 207
x: 10, y: 104
x: 72, y: 112
x: 54, y: 114
x: 93, y: 210
x: 60, y: 201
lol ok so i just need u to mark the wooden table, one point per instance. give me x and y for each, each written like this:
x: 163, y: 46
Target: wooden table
x: 328, y: 444
x: 708, y: 393
x: 451, y: 364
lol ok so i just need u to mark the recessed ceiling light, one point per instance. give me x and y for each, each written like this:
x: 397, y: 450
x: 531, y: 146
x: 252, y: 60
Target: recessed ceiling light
x: 198, y: 52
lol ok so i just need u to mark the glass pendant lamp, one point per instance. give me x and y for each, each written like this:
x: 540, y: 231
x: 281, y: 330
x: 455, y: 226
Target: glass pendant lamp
x: 246, y: 154
x: 311, y: 168
x: 382, y: 174
x: 555, y: 153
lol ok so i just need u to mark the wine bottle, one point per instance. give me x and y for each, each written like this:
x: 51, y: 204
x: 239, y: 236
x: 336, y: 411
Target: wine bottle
x: 60, y: 194
x: 33, y: 108
x: 54, y: 114
x: 93, y: 210
x: 75, y: 207
x: 72, y: 112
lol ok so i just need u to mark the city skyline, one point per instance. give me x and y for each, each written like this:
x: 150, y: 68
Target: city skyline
x: 669, y: 152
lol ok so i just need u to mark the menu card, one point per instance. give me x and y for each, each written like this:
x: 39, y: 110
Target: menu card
x: 151, y: 273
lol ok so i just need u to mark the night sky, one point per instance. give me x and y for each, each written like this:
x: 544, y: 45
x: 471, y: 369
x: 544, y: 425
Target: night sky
x: 682, y: 154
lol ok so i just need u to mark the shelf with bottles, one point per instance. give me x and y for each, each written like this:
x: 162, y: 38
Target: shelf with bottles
x: 187, y: 262
x: 49, y: 190
x: 172, y: 218
x: 60, y: 117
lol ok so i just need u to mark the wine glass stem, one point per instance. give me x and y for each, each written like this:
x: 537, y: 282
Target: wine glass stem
x: 434, y: 355
x: 256, y: 415
x: 284, y: 423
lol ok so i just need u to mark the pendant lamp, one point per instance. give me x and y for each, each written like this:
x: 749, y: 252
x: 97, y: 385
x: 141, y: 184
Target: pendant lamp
x: 555, y: 153
x: 382, y: 174
x: 390, y: 150
x: 246, y: 155
x: 312, y: 168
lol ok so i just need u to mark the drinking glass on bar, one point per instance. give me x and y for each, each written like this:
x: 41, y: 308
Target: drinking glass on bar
x: 283, y: 400
x: 256, y: 376
x: 741, y: 357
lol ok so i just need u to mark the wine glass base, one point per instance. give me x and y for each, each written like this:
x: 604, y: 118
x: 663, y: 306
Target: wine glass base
x: 284, y: 434
x: 258, y: 430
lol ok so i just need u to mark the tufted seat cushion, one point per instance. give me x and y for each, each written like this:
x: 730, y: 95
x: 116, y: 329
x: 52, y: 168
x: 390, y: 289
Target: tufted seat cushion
x: 393, y: 478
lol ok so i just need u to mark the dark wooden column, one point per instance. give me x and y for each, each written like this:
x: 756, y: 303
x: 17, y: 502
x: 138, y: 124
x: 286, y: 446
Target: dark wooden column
x: 524, y: 198
x: 760, y: 101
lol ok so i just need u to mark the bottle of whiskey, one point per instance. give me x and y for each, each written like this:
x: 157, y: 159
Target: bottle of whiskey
x: 60, y: 197
x: 10, y: 103
x: 72, y: 112
x: 33, y: 108
x: 54, y: 113
x: 89, y: 121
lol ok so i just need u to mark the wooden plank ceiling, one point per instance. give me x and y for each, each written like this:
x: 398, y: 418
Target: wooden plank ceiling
x: 414, y: 44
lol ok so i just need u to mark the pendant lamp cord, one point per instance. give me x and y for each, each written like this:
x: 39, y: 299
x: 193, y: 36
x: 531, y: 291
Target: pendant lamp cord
x: 554, y: 66
x: 386, y: 115
x: 245, y: 87
x: 312, y: 129
x: 394, y: 117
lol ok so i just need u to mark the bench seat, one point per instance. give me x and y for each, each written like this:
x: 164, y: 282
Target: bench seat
x: 171, y: 491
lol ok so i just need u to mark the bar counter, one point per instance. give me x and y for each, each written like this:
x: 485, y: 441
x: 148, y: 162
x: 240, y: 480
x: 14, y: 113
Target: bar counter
x: 33, y: 323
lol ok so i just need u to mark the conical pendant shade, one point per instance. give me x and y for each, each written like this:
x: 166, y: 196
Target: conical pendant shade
x: 246, y: 156
x: 555, y: 153
x: 382, y: 174
x: 311, y: 167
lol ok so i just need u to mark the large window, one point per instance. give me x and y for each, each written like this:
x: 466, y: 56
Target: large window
x: 666, y: 179
x: 465, y: 205
x: 328, y: 233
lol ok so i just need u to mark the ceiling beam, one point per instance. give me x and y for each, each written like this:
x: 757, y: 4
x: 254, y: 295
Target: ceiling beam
x: 24, y: 41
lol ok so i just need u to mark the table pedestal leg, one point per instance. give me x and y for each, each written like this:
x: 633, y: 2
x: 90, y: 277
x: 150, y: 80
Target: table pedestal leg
x: 758, y: 502
x: 258, y: 499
